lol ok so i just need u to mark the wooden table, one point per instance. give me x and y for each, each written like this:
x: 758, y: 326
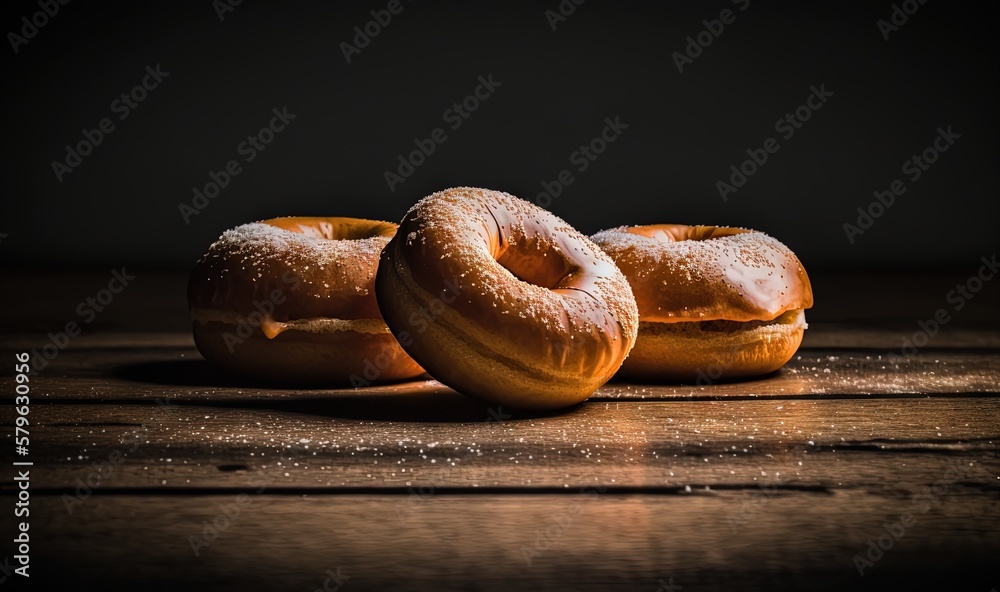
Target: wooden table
x: 152, y: 471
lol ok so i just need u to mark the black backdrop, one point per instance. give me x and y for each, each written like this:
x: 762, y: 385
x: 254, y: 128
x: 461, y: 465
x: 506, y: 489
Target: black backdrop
x: 120, y: 204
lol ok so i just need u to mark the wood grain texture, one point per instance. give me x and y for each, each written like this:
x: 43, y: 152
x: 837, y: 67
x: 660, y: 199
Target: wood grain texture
x: 443, y: 440
x: 770, y: 484
x: 146, y: 367
x: 576, y: 541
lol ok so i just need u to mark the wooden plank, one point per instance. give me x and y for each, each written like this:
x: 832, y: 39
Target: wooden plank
x: 818, y: 373
x: 774, y: 483
x: 578, y: 541
x: 443, y: 440
x: 174, y: 369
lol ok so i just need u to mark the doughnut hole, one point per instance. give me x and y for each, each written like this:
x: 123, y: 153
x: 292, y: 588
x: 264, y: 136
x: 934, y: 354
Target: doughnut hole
x: 537, y: 317
x: 334, y: 228
x: 672, y: 233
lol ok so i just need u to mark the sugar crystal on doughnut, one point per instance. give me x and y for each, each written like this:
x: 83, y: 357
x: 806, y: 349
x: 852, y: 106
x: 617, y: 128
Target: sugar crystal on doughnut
x: 541, y: 308
x: 729, y: 299
x: 293, y: 299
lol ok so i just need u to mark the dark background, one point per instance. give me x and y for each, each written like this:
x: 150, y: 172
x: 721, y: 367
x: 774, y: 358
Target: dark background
x: 120, y: 207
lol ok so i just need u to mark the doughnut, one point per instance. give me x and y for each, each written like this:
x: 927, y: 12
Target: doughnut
x: 292, y: 300
x: 715, y: 303
x: 503, y: 301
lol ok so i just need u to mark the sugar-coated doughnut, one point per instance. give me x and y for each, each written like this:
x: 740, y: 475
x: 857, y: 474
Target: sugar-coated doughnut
x: 503, y: 301
x: 293, y: 300
x: 713, y: 302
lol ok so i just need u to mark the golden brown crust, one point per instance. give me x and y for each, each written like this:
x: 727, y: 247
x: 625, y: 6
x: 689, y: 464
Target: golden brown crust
x: 504, y: 301
x: 293, y: 299
x: 298, y: 357
x: 684, y: 273
x: 683, y: 277
x: 328, y: 275
x: 690, y: 352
